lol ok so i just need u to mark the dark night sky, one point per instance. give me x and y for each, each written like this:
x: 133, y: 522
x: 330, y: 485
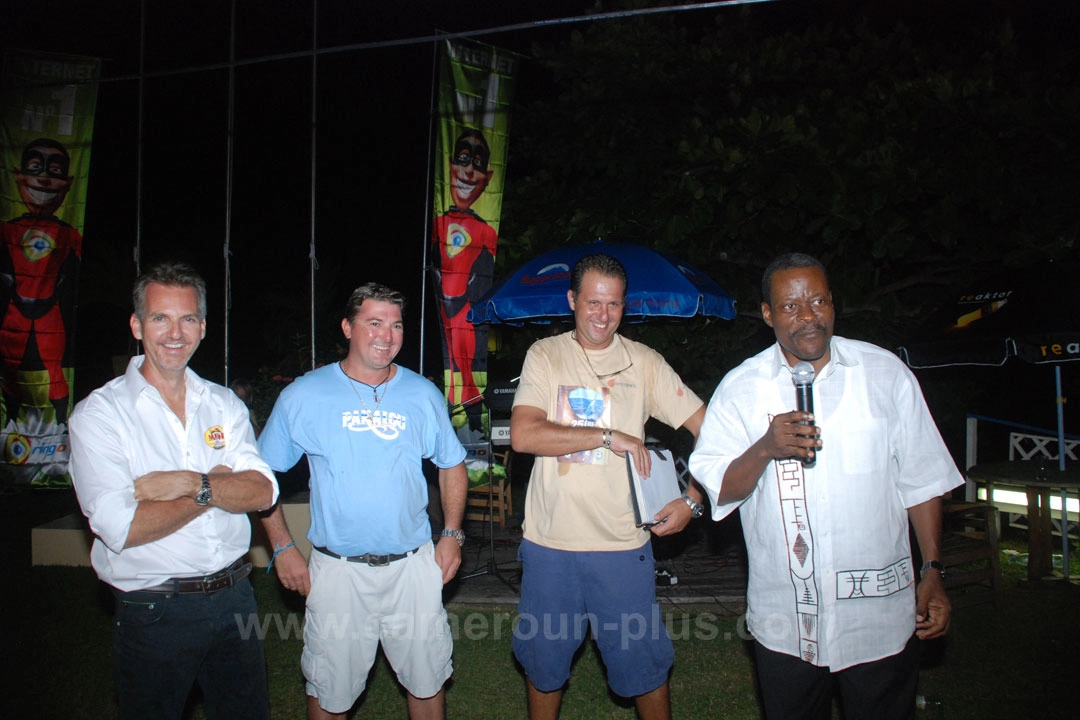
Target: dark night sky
x: 373, y: 118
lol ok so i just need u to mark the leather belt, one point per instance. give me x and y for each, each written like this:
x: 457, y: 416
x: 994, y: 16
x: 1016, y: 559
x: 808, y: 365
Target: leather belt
x: 368, y: 558
x: 206, y: 585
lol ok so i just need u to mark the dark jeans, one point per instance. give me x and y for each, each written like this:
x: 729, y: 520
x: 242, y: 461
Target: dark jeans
x: 879, y: 690
x: 164, y: 643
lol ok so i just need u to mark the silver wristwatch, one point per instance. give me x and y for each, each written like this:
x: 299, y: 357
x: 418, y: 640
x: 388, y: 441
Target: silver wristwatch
x: 206, y: 493
x: 458, y: 535
x: 696, y: 509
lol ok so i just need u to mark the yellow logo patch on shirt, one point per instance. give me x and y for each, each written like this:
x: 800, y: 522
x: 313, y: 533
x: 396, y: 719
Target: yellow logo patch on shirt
x: 215, y: 437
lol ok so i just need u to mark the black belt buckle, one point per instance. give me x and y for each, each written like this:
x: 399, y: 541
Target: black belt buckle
x: 217, y: 581
x: 377, y: 560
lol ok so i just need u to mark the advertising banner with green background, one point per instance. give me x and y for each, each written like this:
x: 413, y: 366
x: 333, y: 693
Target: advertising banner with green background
x: 476, y: 85
x: 46, y: 128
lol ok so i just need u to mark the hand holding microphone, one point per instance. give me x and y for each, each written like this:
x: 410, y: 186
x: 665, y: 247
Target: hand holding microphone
x: 802, y: 375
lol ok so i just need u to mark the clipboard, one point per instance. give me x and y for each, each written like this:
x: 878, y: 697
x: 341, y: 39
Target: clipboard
x: 649, y: 495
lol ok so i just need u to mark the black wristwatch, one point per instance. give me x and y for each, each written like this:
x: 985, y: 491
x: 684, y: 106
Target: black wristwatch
x: 206, y: 493
x: 696, y: 509
x: 932, y: 565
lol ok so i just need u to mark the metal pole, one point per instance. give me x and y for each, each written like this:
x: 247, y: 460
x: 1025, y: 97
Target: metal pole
x: 139, y: 141
x: 1061, y: 467
x: 971, y: 454
x: 429, y: 182
x: 312, y: 259
x: 229, y: 130
x: 440, y: 35
x: 1060, y: 418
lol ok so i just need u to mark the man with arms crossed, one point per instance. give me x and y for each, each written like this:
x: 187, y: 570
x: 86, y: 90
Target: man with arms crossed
x: 366, y: 425
x: 165, y: 467
x: 581, y: 409
x: 834, y: 599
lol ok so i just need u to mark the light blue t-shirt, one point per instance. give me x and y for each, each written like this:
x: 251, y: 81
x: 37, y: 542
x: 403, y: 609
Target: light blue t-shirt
x: 368, y: 491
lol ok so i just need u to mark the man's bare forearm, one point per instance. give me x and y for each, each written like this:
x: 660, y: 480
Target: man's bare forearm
x: 926, y: 521
x: 453, y: 488
x: 742, y: 475
x: 241, y: 492
x: 156, y: 519
x: 786, y: 437
x: 531, y: 432
x: 167, y: 500
x: 277, y: 530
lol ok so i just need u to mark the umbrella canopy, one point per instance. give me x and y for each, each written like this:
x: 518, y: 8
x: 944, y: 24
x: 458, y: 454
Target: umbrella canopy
x: 1032, y: 314
x: 659, y: 285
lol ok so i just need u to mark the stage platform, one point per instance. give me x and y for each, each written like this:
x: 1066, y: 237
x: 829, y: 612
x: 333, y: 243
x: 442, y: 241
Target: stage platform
x: 705, y: 565
x: 67, y: 539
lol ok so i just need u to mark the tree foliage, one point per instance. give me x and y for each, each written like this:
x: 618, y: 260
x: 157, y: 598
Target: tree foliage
x: 908, y: 151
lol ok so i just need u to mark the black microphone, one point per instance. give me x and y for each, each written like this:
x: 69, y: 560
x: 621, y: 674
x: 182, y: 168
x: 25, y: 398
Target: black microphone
x: 803, y: 377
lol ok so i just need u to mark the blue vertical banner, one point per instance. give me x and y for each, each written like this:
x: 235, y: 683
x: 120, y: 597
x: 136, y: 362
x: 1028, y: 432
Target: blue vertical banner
x: 47, y: 103
x: 476, y: 85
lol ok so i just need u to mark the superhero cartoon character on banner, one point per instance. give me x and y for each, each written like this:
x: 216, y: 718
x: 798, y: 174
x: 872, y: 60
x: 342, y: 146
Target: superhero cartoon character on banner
x: 466, y: 246
x: 38, y: 272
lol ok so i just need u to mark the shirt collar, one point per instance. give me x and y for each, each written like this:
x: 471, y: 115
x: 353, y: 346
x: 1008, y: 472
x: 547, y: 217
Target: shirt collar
x: 137, y: 384
x: 838, y: 355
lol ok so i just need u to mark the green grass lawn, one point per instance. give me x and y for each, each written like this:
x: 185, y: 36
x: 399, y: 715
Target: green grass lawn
x: 1019, y: 660
x: 1014, y: 552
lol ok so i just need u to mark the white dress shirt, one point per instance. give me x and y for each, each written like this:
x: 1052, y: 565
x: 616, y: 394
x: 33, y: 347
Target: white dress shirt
x: 125, y: 430
x: 831, y: 576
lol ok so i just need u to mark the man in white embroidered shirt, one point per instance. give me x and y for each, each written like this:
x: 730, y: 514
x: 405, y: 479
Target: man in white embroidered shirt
x: 834, y: 601
x: 165, y: 467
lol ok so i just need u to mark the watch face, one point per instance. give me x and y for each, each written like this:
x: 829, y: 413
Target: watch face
x: 205, y: 493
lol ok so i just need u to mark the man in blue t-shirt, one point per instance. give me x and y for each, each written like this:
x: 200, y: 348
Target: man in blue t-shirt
x: 374, y: 575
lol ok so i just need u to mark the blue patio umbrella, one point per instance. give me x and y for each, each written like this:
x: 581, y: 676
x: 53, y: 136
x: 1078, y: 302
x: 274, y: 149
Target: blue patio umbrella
x: 660, y: 285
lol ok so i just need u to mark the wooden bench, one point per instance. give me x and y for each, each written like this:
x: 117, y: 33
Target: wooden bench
x: 970, y: 553
x: 492, y: 500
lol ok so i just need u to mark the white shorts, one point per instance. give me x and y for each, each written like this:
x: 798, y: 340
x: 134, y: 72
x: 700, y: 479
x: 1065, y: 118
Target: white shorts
x: 353, y: 607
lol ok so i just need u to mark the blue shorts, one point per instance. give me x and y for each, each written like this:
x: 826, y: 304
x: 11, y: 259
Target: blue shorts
x: 564, y: 592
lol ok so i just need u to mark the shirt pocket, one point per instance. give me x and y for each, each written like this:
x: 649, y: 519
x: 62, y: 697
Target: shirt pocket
x: 863, y: 448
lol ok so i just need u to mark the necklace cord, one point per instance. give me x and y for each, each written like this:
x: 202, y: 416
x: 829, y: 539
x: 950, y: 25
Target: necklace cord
x: 588, y: 362
x: 374, y: 388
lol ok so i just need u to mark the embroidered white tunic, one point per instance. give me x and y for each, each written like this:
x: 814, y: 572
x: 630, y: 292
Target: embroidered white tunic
x: 831, y: 577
